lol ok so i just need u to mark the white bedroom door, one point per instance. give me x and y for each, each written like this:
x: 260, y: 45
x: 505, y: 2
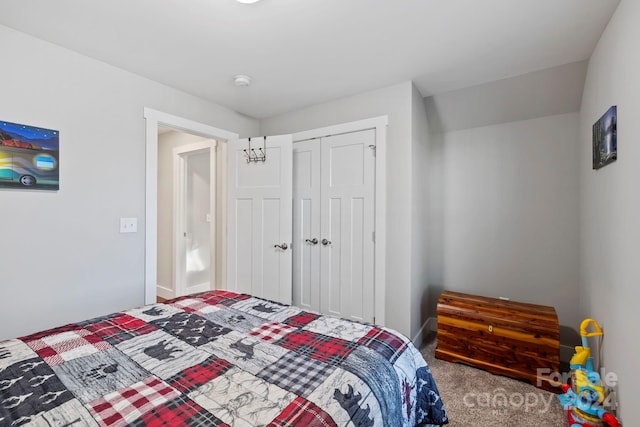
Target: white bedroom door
x: 259, y: 215
x: 334, y: 213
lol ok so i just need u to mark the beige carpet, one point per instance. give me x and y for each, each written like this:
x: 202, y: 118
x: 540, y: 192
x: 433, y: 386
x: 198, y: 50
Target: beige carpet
x: 473, y: 397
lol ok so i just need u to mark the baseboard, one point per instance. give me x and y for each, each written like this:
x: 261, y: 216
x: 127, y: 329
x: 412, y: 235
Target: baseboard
x: 168, y: 293
x: 202, y: 287
x: 164, y: 292
x: 431, y: 325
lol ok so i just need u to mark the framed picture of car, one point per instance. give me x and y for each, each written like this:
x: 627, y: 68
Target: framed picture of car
x: 605, y: 141
x: 29, y: 157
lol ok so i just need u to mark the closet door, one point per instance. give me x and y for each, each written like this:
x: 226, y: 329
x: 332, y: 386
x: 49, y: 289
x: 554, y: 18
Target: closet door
x: 260, y: 219
x: 306, y: 224
x: 347, y: 225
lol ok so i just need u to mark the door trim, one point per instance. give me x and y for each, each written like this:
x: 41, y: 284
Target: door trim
x: 179, y: 208
x: 154, y: 118
x: 380, y: 125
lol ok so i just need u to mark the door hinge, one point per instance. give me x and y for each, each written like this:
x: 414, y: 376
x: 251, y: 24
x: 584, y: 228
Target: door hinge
x: 373, y: 236
x: 373, y: 149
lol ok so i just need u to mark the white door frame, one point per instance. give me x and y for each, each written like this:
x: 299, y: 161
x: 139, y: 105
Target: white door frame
x: 380, y: 125
x: 153, y: 119
x: 180, y: 155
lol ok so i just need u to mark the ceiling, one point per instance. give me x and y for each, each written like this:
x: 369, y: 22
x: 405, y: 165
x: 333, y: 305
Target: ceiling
x: 304, y: 52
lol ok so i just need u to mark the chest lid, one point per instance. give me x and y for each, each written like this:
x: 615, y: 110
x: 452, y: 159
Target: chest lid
x: 466, y: 310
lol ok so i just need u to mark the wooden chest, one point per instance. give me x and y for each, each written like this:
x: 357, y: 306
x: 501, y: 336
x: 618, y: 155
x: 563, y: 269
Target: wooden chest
x: 503, y: 337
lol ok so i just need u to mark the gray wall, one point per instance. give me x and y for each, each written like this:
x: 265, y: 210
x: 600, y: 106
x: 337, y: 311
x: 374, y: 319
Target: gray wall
x: 504, y: 212
x: 496, y: 149
x: 396, y: 102
x: 541, y: 93
x: 420, y: 140
x: 610, y: 204
x: 62, y: 256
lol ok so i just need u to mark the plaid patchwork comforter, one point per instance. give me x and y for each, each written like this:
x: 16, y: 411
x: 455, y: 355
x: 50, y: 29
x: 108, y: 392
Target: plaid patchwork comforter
x: 216, y: 359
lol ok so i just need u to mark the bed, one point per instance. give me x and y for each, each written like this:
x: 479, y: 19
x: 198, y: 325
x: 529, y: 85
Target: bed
x: 215, y: 359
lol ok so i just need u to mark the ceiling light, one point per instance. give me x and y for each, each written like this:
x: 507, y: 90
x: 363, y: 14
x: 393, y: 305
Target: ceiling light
x: 241, y: 80
x: 248, y: 1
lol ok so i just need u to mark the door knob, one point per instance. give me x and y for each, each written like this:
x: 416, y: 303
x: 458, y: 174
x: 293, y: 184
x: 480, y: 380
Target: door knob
x: 283, y: 246
x: 313, y: 241
x: 326, y: 242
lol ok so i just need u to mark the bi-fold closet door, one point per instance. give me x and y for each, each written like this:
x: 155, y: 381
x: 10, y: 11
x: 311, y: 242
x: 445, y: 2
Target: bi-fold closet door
x: 333, y: 224
x: 259, y: 217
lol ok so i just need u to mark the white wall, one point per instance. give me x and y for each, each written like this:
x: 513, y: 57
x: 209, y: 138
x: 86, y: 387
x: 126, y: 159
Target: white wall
x: 504, y: 212
x: 396, y: 103
x: 62, y: 257
x: 166, y: 143
x: 610, y: 204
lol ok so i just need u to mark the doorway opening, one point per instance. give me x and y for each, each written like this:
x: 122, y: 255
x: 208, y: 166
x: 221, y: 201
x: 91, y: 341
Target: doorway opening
x: 157, y: 122
x: 188, y: 247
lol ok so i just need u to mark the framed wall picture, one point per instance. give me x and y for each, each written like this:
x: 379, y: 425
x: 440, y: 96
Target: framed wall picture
x: 29, y: 157
x: 605, y: 142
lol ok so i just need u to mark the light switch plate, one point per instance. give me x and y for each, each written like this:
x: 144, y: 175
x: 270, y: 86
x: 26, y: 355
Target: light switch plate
x: 128, y: 225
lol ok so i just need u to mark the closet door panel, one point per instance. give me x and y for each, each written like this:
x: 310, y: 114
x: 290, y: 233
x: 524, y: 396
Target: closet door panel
x: 347, y: 177
x: 357, y: 241
x: 306, y: 225
x: 272, y: 265
x: 259, y: 218
x: 306, y: 268
x: 242, y: 245
x: 333, y: 273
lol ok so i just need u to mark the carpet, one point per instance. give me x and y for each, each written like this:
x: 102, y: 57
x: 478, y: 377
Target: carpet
x: 473, y: 397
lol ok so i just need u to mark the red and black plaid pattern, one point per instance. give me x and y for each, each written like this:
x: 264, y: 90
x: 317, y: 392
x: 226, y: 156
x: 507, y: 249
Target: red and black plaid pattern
x: 197, y: 375
x: 318, y: 346
x: 191, y: 305
x: 120, y: 328
x: 123, y: 406
x: 272, y: 331
x: 225, y: 298
x: 296, y: 373
x: 388, y: 345
x: 302, y: 319
x: 179, y: 412
x: 301, y: 412
x: 69, y: 345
